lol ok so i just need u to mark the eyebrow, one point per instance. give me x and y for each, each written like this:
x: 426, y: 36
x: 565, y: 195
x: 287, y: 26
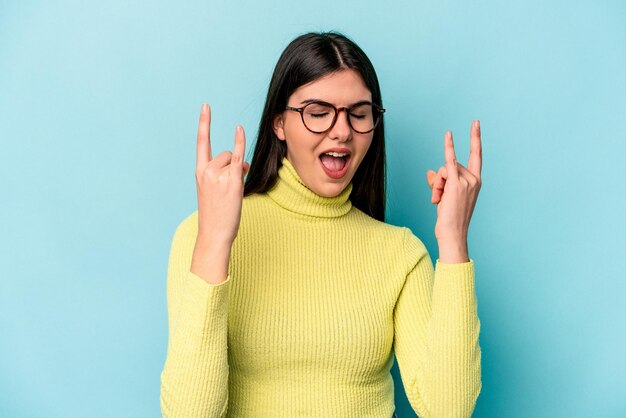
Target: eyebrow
x: 307, y: 101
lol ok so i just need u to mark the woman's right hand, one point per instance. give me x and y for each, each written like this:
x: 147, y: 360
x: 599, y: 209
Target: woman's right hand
x: 219, y: 183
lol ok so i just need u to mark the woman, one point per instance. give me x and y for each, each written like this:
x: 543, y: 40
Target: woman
x: 290, y: 296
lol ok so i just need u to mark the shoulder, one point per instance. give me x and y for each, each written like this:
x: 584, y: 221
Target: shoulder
x: 187, y: 228
x: 255, y: 207
x: 393, y: 235
x: 254, y: 199
x: 414, y: 248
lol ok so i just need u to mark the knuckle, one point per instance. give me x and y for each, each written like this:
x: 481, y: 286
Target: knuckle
x: 201, y: 176
x: 209, y: 172
x: 474, y: 181
x: 224, y: 177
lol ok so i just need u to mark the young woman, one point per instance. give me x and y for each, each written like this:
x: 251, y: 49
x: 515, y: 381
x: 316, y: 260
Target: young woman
x: 290, y: 296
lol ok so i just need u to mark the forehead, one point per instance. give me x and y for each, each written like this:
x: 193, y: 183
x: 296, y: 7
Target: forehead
x: 340, y: 88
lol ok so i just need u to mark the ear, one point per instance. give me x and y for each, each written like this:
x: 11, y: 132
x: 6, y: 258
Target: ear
x: 278, y: 126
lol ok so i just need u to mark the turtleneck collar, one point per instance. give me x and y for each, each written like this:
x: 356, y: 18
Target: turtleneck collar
x: 291, y: 193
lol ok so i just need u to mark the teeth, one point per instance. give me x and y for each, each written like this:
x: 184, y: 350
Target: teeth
x: 336, y: 154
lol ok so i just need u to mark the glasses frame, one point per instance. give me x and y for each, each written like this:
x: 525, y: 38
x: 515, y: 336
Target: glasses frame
x: 337, y: 110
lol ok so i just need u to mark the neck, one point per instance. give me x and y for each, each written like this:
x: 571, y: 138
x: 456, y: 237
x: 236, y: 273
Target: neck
x: 292, y: 194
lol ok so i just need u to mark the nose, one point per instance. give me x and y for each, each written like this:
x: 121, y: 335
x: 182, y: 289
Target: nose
x: 341, y: 130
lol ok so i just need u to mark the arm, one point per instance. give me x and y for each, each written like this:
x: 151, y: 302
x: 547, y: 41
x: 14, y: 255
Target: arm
x: 194, y: 380
x: 436, y: 335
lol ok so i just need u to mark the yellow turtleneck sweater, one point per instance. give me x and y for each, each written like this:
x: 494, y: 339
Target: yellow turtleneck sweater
x: 318, y: 298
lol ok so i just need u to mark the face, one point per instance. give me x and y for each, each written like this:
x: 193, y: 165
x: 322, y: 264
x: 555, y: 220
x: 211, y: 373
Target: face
x: 304, y: 148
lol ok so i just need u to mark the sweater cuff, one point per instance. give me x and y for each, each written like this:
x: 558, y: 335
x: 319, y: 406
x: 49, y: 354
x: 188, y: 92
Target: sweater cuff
x: 198, y: 282
x: 457, y: 282
x: 455, y: 264
x: 204, y: 300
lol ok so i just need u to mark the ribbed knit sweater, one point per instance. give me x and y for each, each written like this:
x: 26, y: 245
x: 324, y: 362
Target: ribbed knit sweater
x: 319, y: 296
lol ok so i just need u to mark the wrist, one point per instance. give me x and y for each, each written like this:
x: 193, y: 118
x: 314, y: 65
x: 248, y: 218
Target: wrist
x: 453, y: 251
x: 212, y: 240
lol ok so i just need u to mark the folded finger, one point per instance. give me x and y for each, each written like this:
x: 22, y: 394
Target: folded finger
x: 430, y: 178
x: 222, y: 160
x: 439, y: 184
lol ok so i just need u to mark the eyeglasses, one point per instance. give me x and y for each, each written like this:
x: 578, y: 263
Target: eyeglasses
x: 319, y: 117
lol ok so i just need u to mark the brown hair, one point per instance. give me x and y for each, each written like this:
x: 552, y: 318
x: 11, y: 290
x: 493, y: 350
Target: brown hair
x: 307, y: 58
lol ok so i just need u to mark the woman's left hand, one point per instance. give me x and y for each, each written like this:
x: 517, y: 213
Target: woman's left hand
x: 455, y: 190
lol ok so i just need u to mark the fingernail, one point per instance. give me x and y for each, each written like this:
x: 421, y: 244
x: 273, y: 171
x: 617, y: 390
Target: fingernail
x: 204, y: 107
x: 238, y: 129
x: 477, y: 123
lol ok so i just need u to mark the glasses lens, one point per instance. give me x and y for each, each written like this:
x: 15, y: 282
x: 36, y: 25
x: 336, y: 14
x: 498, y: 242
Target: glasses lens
x: 363, y: 117
x: 318, y: 117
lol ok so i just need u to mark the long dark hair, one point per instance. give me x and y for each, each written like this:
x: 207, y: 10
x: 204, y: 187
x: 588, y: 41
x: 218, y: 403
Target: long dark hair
x: 307, y: 58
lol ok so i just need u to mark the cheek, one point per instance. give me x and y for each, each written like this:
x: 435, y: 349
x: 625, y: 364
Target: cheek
x: 364, y: 152
x: 300, y: 139
x: 367, y: 146
x: 294, y: 132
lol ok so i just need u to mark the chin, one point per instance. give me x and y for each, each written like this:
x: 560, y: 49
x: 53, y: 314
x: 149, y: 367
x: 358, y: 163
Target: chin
x: 332, y: 189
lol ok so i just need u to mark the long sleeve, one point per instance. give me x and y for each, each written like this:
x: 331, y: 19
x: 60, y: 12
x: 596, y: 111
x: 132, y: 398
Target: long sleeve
x: 436, y: 335
x: 194, y: 380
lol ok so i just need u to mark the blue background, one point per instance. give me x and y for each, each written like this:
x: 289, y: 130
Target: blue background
x: 99, y: 105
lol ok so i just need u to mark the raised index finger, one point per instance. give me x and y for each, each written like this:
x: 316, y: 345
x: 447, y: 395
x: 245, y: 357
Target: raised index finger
x: 476, y: 150
x: 203, y: 143
x: 448, y: 146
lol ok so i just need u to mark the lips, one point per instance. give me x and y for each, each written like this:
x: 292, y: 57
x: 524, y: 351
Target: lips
x: 336, y: 174
x: 337, y: 149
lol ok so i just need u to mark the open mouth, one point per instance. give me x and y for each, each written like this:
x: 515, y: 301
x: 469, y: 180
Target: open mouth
x: 335, y: 165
